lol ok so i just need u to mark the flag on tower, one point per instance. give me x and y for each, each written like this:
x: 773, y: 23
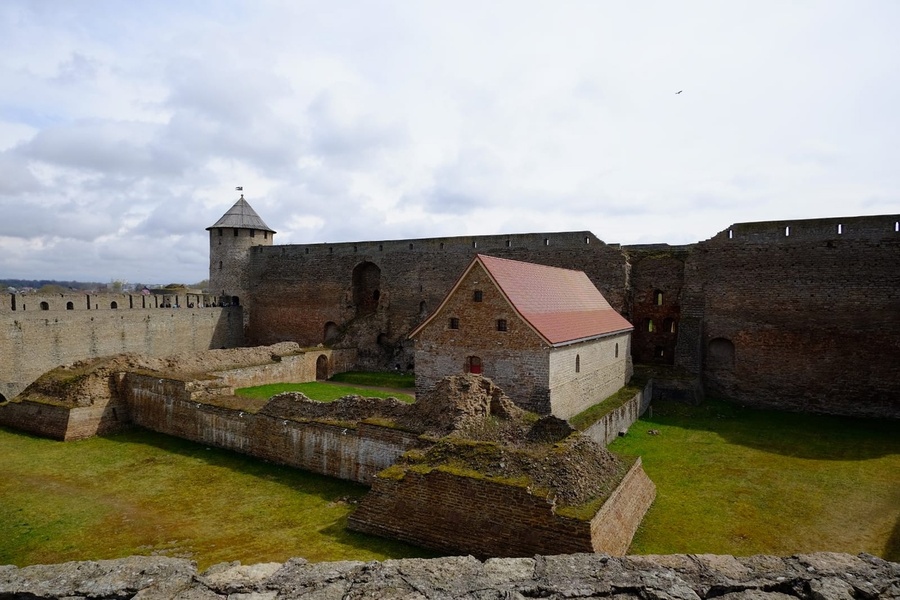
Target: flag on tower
x: 240, y: 188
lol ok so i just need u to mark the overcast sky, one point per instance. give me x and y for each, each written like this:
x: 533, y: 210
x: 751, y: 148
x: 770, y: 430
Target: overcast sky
x: 126, y: 126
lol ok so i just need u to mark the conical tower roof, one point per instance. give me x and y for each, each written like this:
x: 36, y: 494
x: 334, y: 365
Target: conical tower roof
x: 241, y: 216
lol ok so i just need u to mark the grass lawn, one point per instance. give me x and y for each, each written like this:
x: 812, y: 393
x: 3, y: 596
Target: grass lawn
x: 739, y: 481
x: 388, y: 379
x: 322, y: 391
x: 141, y: 493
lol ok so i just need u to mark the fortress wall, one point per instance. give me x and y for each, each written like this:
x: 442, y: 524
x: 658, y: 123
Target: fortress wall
x: 808, y: 322
x: 453, y: 513
x: 292, y: 369
x: 349, y: 452
x: 657, y: 278
x: 34, y: 341
x: 607, y: 428
x: 44, y: 420
x: 298, y: 289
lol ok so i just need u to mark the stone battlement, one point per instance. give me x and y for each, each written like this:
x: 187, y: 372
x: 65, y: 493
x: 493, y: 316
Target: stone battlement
x: 874, y: 228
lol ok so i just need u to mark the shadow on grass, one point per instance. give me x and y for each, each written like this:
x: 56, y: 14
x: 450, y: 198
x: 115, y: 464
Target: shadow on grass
x: 820, y: 437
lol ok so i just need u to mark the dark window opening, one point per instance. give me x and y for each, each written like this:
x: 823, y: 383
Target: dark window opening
x: 235, y: 233
x: 252, y: 233
x: 508, y: 243
x: 307, y: 251
x: 265, y: 235
x: 648, y: 325
x: 380, y: 247
x: 442, y: 245
x: 454, y: 323
x: 669, y: 326
x: 546, y: 241
x: 235, y: 301
x: 578, y: 363
x: 114, y: 305
x: 220, y: 232
x: 45, y: 306
x: 658, y: 298
x: 477, y: 296
x: 617, y: 350
x: 501, y: 324
x: 587, y: 240
x: 70, y: 306
x: 322, y: 368
x: 410, y: 246
x: 423, y: 308
x: 220, y: 265
x: 659, y: 352
x: 331, y: 333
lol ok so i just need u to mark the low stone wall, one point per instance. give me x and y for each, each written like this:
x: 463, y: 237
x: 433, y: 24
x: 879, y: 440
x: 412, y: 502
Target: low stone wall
x: 455, y: 513
x: 614, y: 525
x: 353, y: 452
x: 607, y: 428
x: 44, y: 420
x: 820, y: 576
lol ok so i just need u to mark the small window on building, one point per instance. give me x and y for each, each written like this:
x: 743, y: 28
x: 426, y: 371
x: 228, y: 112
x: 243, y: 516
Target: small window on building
x: 220, y: 265
x: 354, y: 247
x: 660, y: 352
x: 474, y: 244
x: 617, y: 350
x: 658, y: 298
x: 508, y: 243
x: 307, y: 250
x: 649, y: 325
x: 546, y: 241
x: 381, y: 247
x: 840, y: 229
x: 454, y: 323
x: 787, y: 231
x: 235, y: 233
x: 70, y: 306
x: 731, y: 234
x: 477, y: 296
x: 442, y: 245
x: 410, y: 246
x: 669, y: 326
x: 265, y: 235
x: 331, y: 250
x: 252, y: 233
x: 501, y: 324
x: 220, y: 232
x: 587, y: 240
x: 114, y: 305
x: 45, y: 306
x: 578, y: 363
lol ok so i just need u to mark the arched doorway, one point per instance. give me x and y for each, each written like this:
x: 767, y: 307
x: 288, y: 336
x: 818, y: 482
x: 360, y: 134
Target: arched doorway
x: 366, y: 292
x: 720, y: 354
x: 331, y: 333
x: 473, y: 365
x: 322, y: 368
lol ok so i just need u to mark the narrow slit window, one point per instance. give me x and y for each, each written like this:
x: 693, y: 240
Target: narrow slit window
x: 252, y: 233
x: 787, y: 231
x: 587, y: 240
x: 578, y: 363
x: 235, y: 233
x: 508, y: 243
x: 617, y: 350
x: 474, y: 244
x: 731, y: 234
x: 410, y: 246
x: 658, y: 298
x: 650, y: 326
x: 546, y: 241
x: 840, y: 229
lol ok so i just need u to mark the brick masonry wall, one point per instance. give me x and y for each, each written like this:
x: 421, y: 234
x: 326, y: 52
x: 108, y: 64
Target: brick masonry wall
x: 34, y: 341
x: 456, y: 514
x: 298, y: 289
x: 803, y: 322
x: 657, y: 277
x: 345, y: 452
x: 515, y: 359
x: 600, y: 373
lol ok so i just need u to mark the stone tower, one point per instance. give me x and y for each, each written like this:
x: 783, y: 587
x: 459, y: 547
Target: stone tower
x: 230, y: 240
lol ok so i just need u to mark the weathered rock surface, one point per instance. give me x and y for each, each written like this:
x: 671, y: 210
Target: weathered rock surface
x: 820, y: 576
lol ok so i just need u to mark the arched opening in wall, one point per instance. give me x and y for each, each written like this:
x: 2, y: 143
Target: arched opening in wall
x: 2, y: 398
x: 578, y: 363
x: 669, y: 326
x: 659, y: 352
x: 649, y: 326
x: 235, y: 301
x: 322, y: 368
x: 473, y: 365
x: 658, y: 297
x: 331, y: 332
x: 366, y: 280
x: 720, y: 354
x: 45, y: 306
x: 114, y: 305
x: 70, y: 306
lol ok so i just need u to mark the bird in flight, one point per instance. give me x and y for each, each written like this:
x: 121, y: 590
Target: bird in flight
x: 678, y: 92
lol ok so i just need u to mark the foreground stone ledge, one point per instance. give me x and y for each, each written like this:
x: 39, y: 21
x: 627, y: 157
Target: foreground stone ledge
x: 819, y: 576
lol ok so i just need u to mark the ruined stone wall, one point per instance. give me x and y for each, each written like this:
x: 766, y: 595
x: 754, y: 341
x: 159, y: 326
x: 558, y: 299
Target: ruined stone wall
x: 33, y: 341
x: 516, y: 359
x: 584, y: 374
x: 349, y: 452
x: 657, y: 278
x: 818, y: 576
x: 299, y: 290
x: 802, y: 315
x: 434, y: 510
x: 607, y: 428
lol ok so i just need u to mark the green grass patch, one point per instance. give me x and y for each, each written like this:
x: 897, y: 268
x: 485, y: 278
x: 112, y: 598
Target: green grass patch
x: 388, y: 379
x: 594, y: 413
x: 322, y: 391
x: 145, y: 493
x: 738, y: 481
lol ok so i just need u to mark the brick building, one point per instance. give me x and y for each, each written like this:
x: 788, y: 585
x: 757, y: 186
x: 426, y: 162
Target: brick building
x: 545, y: 335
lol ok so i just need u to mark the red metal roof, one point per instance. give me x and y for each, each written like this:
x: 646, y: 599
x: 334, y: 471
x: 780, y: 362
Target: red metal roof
x: 560, y: 304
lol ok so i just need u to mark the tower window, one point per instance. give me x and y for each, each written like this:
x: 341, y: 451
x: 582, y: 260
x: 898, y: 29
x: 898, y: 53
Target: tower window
x: 265, y: 235
x: 220, y: 232
x: 658, y: 298
x: 252, y: 233
x: 477, y: 296
x: 501, y: 324
x: 617, y: 350
x: 649, y: 325
x: 454, y: 323
x: 235, y: 233
x: 578, y: 363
